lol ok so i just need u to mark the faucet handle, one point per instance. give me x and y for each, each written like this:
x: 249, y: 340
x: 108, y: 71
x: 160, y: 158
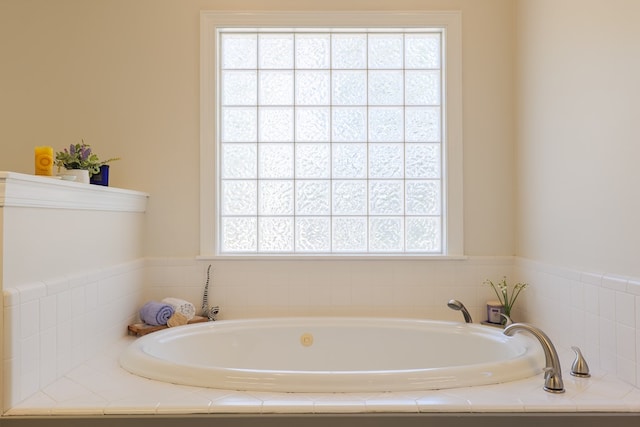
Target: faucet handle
x: 507, y: 319
x: 579, y: 367
x: 553, y: 380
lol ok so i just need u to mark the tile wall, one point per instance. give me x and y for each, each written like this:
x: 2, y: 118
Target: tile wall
x: 598, y: 312
x: 53, y: 326
x: 413, y: 288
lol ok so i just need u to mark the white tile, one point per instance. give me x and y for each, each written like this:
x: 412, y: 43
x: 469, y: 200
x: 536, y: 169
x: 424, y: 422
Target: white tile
x: 91, y: 295
x: 77, y: 302
x: 638, y: 358
x: 55, y: 286
x: 632, y: 399
x: 578, y: 328
x: 63, y: 356
x: 638, y: 315
x: 78, y: 331
x: 65, y: 389
x: 48, y: 312
x: 543, y: 401
x: 626, y: 342
x: 11, y: 333
x: 489, y: 398
x: 29, y: 384
x: 626, y: 370
x: 87, y: 404
x: 577, y: 295
x: 439, y: 401
x: 617, y: 283
x: 48, y: 351
x: 183, y: 403
x: 608, y: 360
x: 607, y: 303
x: 625, y: 309
x: 77, y: 408
x: 11, y: 297
x: 32, y: 291
x: 340, y: 406
x: 95, y: 380
x: 607, y: 388
x: 391, y: 404
x: 11, y: 375
x: 236, y: 402
x: 592, y: 336
x: 29, y: 318
x: 288, y: 405
x: 64, y: 306
x: 591, y: 303
x: 608, y: 345
x: 213, y: 394
x: 591, y: 278
x: 141, y: 405
x: 36, y: 404
x: 633, y: 286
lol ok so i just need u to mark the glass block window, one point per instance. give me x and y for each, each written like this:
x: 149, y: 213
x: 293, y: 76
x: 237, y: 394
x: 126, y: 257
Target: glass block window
x: 330, y: 142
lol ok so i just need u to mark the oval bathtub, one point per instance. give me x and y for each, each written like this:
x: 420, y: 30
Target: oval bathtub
x: 333, y: 355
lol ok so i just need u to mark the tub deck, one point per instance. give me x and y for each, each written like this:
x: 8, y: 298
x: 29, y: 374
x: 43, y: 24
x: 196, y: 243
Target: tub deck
x: 101, y: 387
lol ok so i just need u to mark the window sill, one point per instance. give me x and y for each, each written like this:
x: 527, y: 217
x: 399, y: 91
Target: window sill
x: 332, y: 257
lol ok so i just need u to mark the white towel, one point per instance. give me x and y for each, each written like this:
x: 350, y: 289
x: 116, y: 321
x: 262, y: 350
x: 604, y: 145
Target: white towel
x: 181, y: 306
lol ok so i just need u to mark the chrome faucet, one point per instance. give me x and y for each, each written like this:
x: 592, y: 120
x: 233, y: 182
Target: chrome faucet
x: 454, y: 304
x: 552, y: 371
x: 507, y: 319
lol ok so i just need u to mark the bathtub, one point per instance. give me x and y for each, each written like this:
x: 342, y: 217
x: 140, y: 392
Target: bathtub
x: 333, y: 355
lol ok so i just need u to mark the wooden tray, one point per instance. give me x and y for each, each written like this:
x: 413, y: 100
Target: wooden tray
x: 140, y: 329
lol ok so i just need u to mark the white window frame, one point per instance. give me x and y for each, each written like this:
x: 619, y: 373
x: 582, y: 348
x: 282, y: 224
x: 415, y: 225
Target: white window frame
x: 210, y: 22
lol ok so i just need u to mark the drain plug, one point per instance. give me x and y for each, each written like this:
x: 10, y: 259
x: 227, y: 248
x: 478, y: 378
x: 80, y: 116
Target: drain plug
x: 306, y: 339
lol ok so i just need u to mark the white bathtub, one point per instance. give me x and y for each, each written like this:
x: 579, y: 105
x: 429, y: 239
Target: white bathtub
x: 333, y: 355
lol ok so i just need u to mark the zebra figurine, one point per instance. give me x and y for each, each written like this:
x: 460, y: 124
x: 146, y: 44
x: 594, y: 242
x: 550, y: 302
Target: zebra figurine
x: 208, y: 312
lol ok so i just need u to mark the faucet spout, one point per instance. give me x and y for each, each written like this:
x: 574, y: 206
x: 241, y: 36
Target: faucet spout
x: 553, y: 372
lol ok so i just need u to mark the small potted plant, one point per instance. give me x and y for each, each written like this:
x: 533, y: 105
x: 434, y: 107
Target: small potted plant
x: 506, y: 299
x: 78, y: 157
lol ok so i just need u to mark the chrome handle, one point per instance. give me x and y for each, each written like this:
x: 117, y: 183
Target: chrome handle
x: 553, y: 381
x: 579, y: 368
x: 507, y: 319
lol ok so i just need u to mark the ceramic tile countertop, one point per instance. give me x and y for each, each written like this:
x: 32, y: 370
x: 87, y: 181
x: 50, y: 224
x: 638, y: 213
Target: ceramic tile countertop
x: 100, y: 386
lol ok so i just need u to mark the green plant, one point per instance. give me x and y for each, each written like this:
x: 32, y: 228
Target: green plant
x: 502, y: 292
x: 79, y: 156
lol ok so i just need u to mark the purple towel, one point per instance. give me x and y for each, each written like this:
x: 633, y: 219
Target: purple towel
x: 156, y: 313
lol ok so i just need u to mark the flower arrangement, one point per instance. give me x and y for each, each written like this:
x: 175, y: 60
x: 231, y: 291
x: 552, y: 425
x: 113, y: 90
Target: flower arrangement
x: 502, y: 292
x: 79, y: 156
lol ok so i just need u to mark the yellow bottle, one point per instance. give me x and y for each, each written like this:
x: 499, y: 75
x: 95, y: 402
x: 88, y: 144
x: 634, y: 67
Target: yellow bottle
x: 44, y: 161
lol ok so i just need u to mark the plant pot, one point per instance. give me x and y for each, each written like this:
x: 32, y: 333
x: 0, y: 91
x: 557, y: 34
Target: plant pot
x: 82, y: 175
x: 102, y: 177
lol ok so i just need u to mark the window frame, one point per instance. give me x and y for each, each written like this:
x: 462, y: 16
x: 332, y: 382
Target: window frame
x: 450, y: 22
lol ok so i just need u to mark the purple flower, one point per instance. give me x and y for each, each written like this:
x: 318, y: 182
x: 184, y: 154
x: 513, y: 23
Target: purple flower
x: 85, y: 153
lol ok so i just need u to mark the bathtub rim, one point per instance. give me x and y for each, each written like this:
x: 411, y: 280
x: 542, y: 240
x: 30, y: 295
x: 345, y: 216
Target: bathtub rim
x: 139, y: 362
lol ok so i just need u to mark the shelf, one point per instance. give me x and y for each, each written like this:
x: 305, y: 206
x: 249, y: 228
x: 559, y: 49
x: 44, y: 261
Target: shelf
x: 22, y: 190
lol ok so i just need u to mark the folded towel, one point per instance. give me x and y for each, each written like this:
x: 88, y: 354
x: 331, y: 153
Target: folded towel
x: 181, y: 306
x: 156, y: 313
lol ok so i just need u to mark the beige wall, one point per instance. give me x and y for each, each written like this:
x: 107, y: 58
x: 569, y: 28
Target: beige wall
x: 123, y: 75
x: 578, y: 138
